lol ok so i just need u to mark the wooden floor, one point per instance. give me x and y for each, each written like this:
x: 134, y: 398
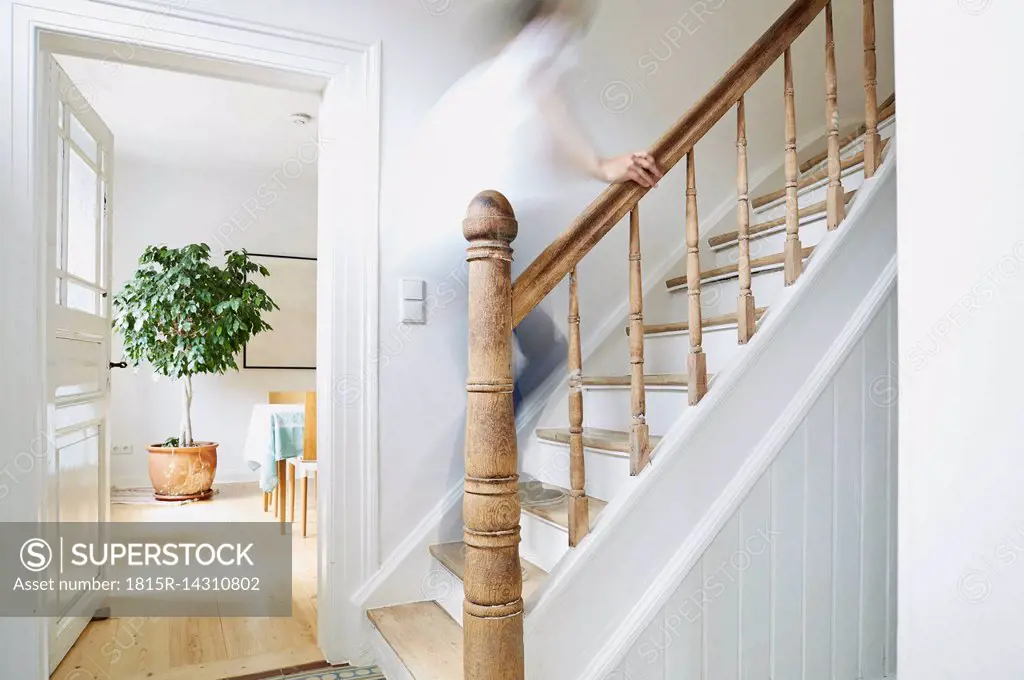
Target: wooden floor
x: 204, y: 648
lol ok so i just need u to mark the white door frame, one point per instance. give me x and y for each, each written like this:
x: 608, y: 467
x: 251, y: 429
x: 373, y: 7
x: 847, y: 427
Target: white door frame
x: 348, y: 74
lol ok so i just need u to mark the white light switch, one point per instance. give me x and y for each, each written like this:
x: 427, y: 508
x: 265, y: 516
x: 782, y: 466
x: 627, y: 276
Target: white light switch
x: 414, y: 311
x: 414, y: 289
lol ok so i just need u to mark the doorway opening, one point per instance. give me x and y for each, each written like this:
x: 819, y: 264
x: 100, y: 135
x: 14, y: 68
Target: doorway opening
x: 157, y: 157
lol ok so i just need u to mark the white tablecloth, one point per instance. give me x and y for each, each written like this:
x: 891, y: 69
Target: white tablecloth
x: 259, y: 441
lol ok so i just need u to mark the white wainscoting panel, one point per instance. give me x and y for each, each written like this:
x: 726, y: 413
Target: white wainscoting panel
x: 800, y: 583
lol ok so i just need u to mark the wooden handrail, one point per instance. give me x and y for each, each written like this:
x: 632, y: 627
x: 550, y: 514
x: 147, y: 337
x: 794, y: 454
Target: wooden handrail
x: 554, y: 264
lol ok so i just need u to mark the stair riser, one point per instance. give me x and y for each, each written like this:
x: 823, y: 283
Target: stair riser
x: 543, y: 543
x: 885, y: 131
x: 852, y: 179
x: 720, y: 297
x: 812, y: 231
x: 445, y: 588
x: 669, y: 353
x: 606, y: 472
x: 610, y: 409
x: 385, y: 657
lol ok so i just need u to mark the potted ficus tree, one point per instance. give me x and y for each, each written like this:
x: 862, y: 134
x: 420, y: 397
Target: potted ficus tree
x: 186, y: 317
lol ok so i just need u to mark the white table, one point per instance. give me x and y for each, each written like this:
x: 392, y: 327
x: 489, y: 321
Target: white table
x: 259, y: 441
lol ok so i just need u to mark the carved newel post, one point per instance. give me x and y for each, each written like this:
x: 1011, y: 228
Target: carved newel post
x: 493, y: 609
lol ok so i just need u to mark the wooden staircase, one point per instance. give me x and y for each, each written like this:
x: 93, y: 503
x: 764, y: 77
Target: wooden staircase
x: 500, y: 578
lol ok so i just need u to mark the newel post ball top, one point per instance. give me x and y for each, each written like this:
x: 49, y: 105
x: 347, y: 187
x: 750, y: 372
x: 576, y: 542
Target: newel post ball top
x: 490, y: 217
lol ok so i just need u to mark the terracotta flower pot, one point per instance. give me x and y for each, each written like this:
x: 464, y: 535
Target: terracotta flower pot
x: 183, y: 473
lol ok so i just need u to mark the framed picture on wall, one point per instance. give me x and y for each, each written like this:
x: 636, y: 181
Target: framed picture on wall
x: 292, y: 343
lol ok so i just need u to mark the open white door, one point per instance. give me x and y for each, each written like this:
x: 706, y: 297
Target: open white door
x: 79, y: 178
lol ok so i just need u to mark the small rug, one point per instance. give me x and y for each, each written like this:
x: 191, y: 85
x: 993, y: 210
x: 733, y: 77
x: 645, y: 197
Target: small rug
x: 143, y: 496
x: 350, y: 673
x: 318, y: 671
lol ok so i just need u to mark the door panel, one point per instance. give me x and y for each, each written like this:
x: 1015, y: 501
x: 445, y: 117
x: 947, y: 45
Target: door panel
x: 78, y: 456
x: 78, y: 351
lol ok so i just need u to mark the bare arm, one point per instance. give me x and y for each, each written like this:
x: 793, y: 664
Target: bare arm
x: 639, y: 167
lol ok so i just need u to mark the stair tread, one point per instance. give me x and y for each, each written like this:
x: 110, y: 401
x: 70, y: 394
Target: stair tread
x: 593, y: 438
x: 815, y: 209
x: 453, y: 557
x: 558, y: 513
x: 684, y: 326
x: 811, y: 179
x: 731, y: 269
x: 886, y: 110
x: 425, y: 638
x: 653, y: 380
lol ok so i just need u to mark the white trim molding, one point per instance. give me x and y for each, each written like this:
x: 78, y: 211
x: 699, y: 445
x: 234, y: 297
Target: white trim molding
x: 171, y: 35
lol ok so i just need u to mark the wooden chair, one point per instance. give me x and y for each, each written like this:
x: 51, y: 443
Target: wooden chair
x: 303, y: 467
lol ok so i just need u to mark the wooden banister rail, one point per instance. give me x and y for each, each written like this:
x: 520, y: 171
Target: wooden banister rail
x: 554, y: 264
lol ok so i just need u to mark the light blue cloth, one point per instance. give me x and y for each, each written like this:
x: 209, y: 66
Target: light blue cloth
x: 287, y: 430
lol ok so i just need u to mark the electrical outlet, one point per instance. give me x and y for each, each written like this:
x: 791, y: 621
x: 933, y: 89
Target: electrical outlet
x: 125, y: 450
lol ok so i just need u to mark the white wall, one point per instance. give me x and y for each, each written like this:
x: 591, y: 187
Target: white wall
x: 801, y: 581
x: 961, y: 248
x: 157, y: 204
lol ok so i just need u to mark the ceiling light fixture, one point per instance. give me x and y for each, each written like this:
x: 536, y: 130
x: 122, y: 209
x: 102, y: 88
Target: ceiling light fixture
x: 301, y: 118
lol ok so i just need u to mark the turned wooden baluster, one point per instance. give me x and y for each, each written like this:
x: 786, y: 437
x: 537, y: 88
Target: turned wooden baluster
x: 698, y: 363
x: 836, y: 196
x: 872, y: 140
x: 493, y: 608
x: 794, y: 260
x: 745, y: 315
x: 639, y: 434
x: 579, y: 509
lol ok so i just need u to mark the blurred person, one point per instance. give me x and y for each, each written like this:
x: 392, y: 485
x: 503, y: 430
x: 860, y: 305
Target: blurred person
x: 507, y: 125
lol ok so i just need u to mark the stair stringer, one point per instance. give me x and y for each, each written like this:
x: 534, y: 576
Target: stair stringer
x: 604, y: 593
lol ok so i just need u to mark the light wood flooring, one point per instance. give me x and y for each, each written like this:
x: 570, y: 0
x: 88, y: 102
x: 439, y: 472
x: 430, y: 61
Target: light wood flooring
x: 204, y: 648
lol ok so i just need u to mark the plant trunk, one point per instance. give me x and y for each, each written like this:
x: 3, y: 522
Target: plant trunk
x: 186, y: 419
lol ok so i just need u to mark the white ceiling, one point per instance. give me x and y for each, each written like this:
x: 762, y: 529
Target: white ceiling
x: 194, y: 121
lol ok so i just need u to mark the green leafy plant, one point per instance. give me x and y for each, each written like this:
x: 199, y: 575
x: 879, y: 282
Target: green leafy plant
x: 187, y: 317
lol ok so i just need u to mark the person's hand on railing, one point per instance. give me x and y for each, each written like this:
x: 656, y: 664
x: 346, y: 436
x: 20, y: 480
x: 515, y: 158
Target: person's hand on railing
x: 639, y: 167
